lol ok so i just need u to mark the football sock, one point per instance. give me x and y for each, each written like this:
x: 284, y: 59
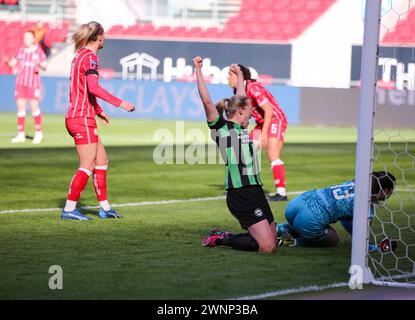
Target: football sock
x: 21, y: 121
x: 37, y: 117
x: 78, y: 184
x: 100, y: 185
x: 241, y: 241
x: 278, y: 170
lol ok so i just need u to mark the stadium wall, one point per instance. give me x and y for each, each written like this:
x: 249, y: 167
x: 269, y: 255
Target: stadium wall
x: 339, y: 107
x: 173, y: 58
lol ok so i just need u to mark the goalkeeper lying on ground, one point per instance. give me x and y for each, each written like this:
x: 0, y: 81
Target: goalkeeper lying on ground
x: 310, y: 214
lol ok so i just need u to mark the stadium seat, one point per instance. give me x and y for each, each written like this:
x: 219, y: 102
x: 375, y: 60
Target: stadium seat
x: 403, y: 32
x: 116, y: 30
x: 162, y: 31
x: 288, y: 19
x: 211, y: 33
x: 146, y: 29
x: 13, y: 34
x: 194, y: 32
x: 179, y: 31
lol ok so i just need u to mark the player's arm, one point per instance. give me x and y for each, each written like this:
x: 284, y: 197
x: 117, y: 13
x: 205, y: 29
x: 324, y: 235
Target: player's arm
x: 267, y: 120
x: 105, y: 119
x: 92, y: 78
x: 240, y: 87
x: 210, y: 110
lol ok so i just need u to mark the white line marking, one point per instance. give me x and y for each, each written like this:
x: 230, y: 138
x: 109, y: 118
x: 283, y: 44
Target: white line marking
x: 285, y: 292
x: 132, y: 204
x: 316, y: 288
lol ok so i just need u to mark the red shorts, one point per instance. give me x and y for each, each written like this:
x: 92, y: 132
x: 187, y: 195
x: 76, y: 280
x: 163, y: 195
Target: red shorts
x: 82, y: 130
x: 276, y: 129
x: 28, y: 93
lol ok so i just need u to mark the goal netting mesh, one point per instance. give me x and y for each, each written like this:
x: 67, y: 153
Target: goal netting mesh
x: 394, y: 143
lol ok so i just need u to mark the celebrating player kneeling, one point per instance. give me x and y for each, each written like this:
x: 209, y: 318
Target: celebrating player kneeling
x: 245, y: 198
x: 81, y: 124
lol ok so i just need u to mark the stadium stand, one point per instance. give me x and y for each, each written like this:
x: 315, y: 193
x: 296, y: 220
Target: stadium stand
x: 267, y: 20
x: 403, y: 32
x: 14, y: 34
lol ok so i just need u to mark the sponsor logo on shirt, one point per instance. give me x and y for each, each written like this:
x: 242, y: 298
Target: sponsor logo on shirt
x: 258, y: 212
x: 94, y: 64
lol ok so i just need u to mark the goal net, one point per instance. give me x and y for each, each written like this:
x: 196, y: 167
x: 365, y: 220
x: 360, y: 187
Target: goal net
x: 389, y: 224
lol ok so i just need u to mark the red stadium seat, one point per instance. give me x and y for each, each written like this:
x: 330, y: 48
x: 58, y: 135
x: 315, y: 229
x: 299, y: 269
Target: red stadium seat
x: 265, y: 19
x: 179, y: 31
x: 146, y: 29
x: 403, y: 33
x: 11, y: 2
x: 194, y: 32
x: 116, y: 30
x: 211, y: 33
x: 288, y: 18
x: 162, y: 31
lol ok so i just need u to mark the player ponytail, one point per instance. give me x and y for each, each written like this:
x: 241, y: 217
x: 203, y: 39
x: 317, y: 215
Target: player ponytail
x: 86, y: 33
x: 231, y: 105
x: 246, y: 72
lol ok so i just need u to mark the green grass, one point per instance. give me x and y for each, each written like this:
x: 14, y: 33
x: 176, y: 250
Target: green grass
x: 154, y: 252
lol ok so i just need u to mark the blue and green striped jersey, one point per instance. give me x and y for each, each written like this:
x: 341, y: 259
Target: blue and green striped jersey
x: 237, y: 150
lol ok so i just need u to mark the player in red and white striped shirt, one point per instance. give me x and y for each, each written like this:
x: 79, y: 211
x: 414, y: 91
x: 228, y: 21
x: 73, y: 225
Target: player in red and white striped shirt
x: 29, y: 60
x: 81, y: 124
x: 269, y: 131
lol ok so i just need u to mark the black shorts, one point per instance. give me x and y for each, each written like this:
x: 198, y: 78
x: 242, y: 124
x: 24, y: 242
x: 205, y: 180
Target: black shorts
x: 249, y: 205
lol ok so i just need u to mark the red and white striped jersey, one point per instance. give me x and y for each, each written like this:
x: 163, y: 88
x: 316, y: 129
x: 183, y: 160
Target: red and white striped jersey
x: 259, y: 95
x: 82, y: 104
x: 27, y: 69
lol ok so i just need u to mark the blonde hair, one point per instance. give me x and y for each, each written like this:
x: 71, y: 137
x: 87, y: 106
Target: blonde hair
x: 86, y: 33
x: 231, y: 105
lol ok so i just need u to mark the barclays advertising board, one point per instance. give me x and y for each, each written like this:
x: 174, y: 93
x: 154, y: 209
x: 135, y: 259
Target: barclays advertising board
x: 153, y: 99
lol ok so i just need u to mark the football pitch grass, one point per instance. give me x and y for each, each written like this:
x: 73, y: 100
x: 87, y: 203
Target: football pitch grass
x: 155, y: 251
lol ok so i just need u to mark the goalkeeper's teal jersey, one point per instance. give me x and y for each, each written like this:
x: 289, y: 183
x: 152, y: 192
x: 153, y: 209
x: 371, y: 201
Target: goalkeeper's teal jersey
x: 333, y: 203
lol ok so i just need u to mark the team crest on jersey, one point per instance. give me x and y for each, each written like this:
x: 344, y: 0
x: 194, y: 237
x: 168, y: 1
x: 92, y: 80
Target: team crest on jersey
x: 258, y: 212
x: 94, y: 64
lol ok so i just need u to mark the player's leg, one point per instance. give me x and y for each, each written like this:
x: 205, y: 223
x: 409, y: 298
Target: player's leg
x: 86, y: 142
x: 21, y: 121
x: 274, y: 149
x: 312, y: 232
x: 264, y: 235
x: 100, y: 183
x: 255, y: 136
x: 240, y: 241
x: 250, y: 207
x: 285, y: 232
x: 329, y: 238
x: 37, y: 118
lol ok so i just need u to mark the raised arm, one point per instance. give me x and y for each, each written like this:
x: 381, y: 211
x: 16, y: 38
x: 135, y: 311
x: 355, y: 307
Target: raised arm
x: 210, y: 110
x: 240, y: 87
